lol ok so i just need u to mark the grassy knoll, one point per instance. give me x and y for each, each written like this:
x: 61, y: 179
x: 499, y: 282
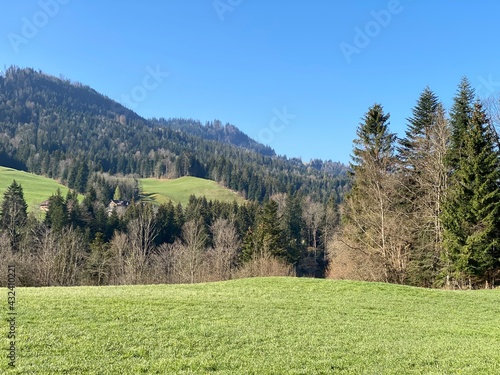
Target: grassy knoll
x: 178, y: 190
x: 256, y: 326
x: 36, y: 188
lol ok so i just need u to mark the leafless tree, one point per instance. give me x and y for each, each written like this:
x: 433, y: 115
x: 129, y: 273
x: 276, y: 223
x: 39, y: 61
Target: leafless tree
x: 313, y: 214
x: 375, y: 227
x: 189, y: 256
x: 119, y: 249
x: 59, y: 257
x: 141, y: 235
x: 264, y: 265
x: 225, y: 246
x: 492, y: 107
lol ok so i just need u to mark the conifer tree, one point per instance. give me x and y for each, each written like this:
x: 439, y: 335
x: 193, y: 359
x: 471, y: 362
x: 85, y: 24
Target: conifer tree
x: 14, y: 213
x: 269, y: 237
x: 117, y: 194
x: 424, y: 177
x: 372, y: 220
x: 57, y: 215
x: 471, y: 215
x: 424, y: 117
x: 460, y: 116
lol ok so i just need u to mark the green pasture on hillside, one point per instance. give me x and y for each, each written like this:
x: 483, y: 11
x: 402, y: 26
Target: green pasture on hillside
x: 180, y: 189
x: 36, y: 188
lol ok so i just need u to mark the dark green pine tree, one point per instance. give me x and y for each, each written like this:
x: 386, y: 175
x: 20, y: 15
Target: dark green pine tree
x: 292, y: 224
x: 82, y: 177
x: 460, y: 117
x: 374, y: 143
x: 14, y: 214
x: 421, y: 194
x: 57, y: 215
x: 471, y: 215
x: 425, y: 114
x: 165, y: 223
x: 268, y: 236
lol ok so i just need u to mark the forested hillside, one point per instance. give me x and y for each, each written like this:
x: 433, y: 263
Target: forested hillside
x: 61, y: 129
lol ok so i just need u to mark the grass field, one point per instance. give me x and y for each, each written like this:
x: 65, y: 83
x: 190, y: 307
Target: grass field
x: 178, y: 190
x: 36, y: 188
x: 256, y: 326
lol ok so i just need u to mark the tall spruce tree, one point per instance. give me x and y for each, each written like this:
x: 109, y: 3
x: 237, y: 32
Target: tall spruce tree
x: 424, y: 116
x: 460, y: 117
x: 372, y: 217
x: 424, y: 176
x: 471, y: 215
x: 57, y: 215
x: 14, y: 214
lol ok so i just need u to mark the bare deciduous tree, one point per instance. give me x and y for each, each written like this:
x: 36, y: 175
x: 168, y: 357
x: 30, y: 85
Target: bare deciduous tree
x: 189, y: 256
x: 313, y: 214
x: 225, y: 246
x: 119, y: 248
x: 141, y: 235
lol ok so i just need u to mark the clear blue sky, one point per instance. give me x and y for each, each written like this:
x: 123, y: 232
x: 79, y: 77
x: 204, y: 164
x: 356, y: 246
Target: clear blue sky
x: 247, y: 61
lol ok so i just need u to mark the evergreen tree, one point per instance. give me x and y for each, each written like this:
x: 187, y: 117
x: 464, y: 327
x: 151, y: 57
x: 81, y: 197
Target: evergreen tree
x: 423, y: 176
x: 82, y: 177
x: 374, y: 143
x: 372, y: 215
x: 471, y: 215
x: 268, y: 237
x: 292, y: 224
x: 165, y: 224
x: 14, y: 213
x: 57, y: 215
x: 425, y: 114
x: 460, y: 117
x: 118, y: 194
x: 98, y: 265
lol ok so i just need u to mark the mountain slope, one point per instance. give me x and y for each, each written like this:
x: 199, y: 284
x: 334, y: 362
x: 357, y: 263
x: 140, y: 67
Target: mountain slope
x: 53, y: 127
x: 215, y: 131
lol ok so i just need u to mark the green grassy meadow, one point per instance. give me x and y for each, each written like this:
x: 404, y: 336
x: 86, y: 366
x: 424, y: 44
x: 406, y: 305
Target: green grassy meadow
x: 255, y: 326
x: 178, y: 190
x: 36, y: 188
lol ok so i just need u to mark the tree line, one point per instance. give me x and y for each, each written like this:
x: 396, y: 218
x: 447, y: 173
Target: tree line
x: 424, y: 209
x: 83, y: 242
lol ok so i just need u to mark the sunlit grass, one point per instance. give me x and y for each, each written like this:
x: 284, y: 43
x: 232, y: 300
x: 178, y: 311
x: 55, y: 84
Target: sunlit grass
x: 257, y: 326
x: 36, y: 189
x: 180, y: 189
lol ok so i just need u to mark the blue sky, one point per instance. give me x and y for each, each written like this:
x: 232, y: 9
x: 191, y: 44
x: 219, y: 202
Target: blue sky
x: 297, y: 75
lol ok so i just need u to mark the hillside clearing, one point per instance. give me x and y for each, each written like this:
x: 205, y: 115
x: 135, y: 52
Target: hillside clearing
x: 36, y: 188
x: 256, y: 326
x: 180, y: 189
